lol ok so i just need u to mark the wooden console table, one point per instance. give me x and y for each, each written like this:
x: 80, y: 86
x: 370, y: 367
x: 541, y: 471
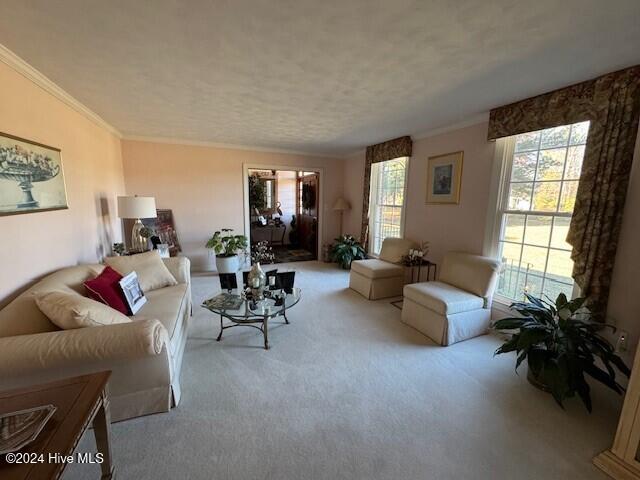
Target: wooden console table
x: 79, y: 401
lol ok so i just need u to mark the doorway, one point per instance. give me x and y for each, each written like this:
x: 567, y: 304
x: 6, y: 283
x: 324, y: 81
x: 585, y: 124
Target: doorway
x: 282, y: 209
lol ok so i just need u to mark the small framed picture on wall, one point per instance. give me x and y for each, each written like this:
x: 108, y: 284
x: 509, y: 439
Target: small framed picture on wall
x: 444, y: 178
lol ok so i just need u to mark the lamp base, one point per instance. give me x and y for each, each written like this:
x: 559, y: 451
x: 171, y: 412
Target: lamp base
x: 138, y: 242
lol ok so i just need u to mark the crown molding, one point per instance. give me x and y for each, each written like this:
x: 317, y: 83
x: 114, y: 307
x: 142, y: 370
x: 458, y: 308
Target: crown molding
x: 473, y: 120
x: 29, y: 72
x: 230, y: 146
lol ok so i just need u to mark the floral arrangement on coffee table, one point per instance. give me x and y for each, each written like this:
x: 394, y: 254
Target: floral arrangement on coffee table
x: 262, y: 253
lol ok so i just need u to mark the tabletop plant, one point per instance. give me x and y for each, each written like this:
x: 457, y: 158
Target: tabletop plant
x: 562, y: 345
x: 345, y: 250
x: 225, y: 244
x: 416, y: 255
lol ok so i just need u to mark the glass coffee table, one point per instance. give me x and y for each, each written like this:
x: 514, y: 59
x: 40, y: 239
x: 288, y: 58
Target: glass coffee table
x: 249, y: 313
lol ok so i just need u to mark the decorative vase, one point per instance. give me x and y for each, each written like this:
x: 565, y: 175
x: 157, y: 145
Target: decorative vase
x: 228, y: 264
x: 139, y: 243
x: 536, y: 382
x: 256, y: 281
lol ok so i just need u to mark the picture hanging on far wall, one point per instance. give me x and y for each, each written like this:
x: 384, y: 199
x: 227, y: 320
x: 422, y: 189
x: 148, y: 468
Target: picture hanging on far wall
x: 444, y: 178
x: 31, y: 177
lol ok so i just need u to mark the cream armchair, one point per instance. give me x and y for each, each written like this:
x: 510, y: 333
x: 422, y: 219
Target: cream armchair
x: 458, y: 306
x: 381, y: 277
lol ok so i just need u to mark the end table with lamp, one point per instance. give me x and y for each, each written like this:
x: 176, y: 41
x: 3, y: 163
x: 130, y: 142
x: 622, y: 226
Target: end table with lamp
x: 137, y: 208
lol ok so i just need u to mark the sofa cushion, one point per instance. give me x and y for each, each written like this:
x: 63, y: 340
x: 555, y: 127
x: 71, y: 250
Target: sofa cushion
x: 71, y: 310
x: 151, y: 270
x: 393, y: 249
x: 166, y: 305
x: 472, y: 273
x: 374, y: 268
x: 105, y: 288
x: 442, y: 298
x: 23, y: 317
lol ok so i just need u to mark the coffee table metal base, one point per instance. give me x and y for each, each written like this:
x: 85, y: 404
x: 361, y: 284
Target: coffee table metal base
x: 264, y: 326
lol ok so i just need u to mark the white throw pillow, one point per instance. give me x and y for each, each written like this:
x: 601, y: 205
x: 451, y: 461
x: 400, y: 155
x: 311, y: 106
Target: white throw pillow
x: 72, y: 310
x: 152, y: 272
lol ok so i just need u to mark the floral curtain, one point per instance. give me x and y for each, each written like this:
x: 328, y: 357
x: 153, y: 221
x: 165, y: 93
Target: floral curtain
x: 612, y: 104
x: 381, y: 152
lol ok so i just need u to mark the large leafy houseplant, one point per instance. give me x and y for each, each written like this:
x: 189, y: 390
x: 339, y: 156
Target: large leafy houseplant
x: 345, y: 250
x: 226, y: 246
x: 561, y: 345
x: 256, y: 192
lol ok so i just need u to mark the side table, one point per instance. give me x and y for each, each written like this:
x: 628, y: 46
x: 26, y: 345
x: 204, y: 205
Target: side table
x: 416, y: 271
x: 428, y: 265
x: 80, y: 402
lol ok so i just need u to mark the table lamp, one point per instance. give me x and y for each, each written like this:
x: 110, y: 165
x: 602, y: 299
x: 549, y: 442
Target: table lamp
x: 137, y: 208
x: 340, y: 206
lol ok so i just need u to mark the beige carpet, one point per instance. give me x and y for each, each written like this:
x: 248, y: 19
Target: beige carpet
x: 349, y: 392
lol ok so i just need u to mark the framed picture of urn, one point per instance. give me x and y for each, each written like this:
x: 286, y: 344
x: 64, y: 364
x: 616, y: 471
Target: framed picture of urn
x: 31, y: 177
x: 444, y: 178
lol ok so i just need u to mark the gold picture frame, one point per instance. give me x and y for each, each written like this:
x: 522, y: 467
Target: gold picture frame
x: 444, y: 178
x: 31, y: 177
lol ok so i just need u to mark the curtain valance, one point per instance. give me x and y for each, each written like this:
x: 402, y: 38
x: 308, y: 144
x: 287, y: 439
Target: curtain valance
x: 381, y: 152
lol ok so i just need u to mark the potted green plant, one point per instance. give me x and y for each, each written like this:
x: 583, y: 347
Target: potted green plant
x: 562, y: 345
x: 226, y: 246
x: 345, y: 250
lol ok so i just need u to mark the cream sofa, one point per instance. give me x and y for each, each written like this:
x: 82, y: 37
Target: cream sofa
x: 458, y: 306
x: 381, y: 277
x: 144, y: 356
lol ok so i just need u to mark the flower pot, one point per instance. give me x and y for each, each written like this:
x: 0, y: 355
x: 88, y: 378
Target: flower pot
x: 536, y: 382
x: 230, y: 264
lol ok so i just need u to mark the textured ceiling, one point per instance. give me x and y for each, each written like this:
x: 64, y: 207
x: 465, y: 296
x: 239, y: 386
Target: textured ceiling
x: 320, y: 76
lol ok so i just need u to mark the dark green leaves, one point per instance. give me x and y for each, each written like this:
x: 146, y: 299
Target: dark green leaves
x: 345, y: 250
x: 561, y: 345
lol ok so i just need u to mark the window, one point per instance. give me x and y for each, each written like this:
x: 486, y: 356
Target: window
x: 538, y: 192
x: 386, y: 205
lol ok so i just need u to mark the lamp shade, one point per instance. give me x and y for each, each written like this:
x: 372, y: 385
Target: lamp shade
x: 341, y: 205
x: 137, y: 207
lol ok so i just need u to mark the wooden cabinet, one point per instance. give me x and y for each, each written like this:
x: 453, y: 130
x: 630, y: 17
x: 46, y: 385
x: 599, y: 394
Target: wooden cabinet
x: 622, y: 460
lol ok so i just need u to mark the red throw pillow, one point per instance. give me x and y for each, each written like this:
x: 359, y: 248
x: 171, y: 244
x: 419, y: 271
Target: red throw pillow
x: 106, y: 289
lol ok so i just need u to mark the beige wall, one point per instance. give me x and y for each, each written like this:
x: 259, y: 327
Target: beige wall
x: 445, y: 227
x: 34, y: 244
x: 204, y: 187
x: 462, y: 227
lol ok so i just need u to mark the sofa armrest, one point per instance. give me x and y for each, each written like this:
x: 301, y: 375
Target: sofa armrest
x: 180, y: 268
x: 22, y: 354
